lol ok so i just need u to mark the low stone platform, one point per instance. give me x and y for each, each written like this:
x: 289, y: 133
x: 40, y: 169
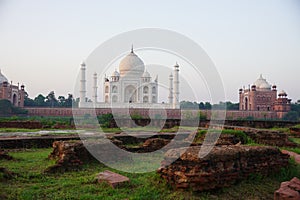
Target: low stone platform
x: 222, y: 167
x: 113, y: 179
x: 71, y: 155
x: 289, y: 190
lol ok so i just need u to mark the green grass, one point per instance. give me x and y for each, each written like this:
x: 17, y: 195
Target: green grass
x: 295, y: 140
x: 31, y: 183
x: 10, y: 130
x: 297, y: 126
x: 285, y: 130
x: 296, y: 150
x: 240, y: 134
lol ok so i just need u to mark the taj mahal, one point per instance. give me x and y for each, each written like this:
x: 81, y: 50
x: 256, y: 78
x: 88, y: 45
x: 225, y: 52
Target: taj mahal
x: 130, y: 86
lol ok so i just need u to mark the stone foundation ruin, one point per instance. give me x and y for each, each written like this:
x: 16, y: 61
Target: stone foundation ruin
x: 222, y: 167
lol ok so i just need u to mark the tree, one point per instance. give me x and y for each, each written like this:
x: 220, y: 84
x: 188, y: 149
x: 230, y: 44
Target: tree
x: 201, y: 106
x: 296, y: 107
x: 40, y: 101
x: 291, y: 116
x: 207, y: 106
x: 69, y: 101
x: 6, y: 108
x: 61, y: 101
x: 189, y: 105
x: 29, y: 102
x: 51, y: 100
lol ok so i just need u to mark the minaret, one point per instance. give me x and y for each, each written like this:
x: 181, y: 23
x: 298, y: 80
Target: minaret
x: 82, y: 85
x: 176, y: 87
x: 171, y: 89
x: 95, y: 88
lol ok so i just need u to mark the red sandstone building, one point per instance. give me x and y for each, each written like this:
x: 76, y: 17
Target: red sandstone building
x: 14, y: 93
x: 263, y: 97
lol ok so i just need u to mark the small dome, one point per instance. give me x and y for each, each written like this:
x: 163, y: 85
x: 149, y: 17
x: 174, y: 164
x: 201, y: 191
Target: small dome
x: 115, y: 73
x: 262, y: 83
x: 282, y: 93
x: 146, y: 74
x: 2, y: 78
x: 131, y: 65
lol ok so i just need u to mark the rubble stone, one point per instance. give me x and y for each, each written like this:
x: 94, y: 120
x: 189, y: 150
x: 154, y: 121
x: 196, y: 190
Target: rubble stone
x: 222, y: 167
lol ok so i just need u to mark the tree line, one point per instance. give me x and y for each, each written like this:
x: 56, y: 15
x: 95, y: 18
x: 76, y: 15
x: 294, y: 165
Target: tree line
x: 208, y: 106
x: 50, y: 101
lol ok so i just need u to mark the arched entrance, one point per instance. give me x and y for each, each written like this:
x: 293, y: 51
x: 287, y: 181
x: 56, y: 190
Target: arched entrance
x: 145, y: 99
x: 246, y: 103
x: 130, y: 94
x: 15, y: 100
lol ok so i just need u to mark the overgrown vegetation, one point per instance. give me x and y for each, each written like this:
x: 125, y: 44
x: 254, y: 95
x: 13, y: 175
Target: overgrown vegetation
x: 30, y: 183
x: 47, y: 122
x: 6, y: 108
x: 295, y: 140
x: 240, y: 134
x: 11, y: 130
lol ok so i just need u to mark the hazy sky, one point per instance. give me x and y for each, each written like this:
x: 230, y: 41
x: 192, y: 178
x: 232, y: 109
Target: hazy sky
x: 42, y: 43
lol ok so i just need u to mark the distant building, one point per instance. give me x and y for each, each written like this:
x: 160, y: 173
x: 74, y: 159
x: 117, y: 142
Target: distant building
x: 262, y: 96
x: 14, y: 93
x: 132, y: 85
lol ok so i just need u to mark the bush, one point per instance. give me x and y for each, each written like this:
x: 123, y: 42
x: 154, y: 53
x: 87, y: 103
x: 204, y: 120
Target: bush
x: 105, y: 120
x: 6, y: 108
x: 240, y: 134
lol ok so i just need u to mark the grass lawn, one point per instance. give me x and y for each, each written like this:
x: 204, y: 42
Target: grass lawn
x: 31, y: 183
x: 10, y: 130
x: 296, y: 140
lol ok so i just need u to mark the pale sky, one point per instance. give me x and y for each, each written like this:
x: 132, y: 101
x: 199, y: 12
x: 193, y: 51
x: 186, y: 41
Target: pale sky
x: 42, y: 43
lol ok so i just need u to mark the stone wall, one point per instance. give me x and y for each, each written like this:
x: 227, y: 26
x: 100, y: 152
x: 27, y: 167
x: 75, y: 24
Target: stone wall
x: 173, y: 116
x: 266, y: 137
x: 222, y: 167
x: 171, y: 113
x: 295, y: 132
x: 21, y: 124
x: 32, y: 142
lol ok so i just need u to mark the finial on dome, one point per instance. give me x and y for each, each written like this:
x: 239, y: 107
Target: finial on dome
x: 131, y: 48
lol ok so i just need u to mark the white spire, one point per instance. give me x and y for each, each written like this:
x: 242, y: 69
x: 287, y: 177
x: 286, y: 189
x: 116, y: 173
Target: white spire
x: 176, y: 87
x: 82, y: 85
x: 95, y: 88
x: 171, y: 89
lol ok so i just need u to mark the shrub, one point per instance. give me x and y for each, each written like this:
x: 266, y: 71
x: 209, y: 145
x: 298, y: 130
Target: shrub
x: 6, y: 108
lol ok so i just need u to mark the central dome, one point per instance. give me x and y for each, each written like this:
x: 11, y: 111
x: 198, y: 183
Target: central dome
x: 262, y: 84
x: 2, y: 78
x: 131, y: 66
